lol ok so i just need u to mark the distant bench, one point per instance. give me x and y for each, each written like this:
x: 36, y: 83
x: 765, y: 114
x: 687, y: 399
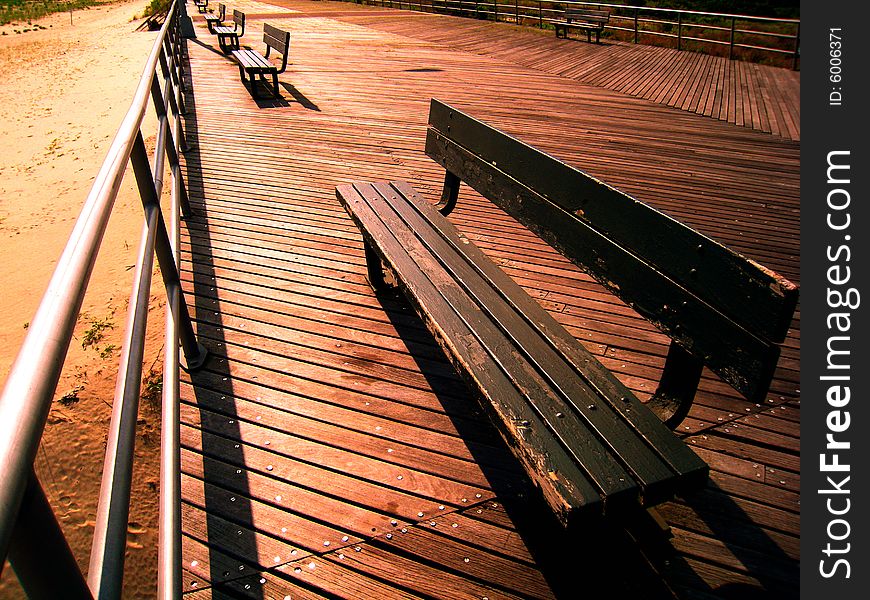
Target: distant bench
x: 583, y: 437
x: 584, y: 19
x: 216, y: 20
x: 256, y: 65
x: 228, y: 37
x: 201, y: 5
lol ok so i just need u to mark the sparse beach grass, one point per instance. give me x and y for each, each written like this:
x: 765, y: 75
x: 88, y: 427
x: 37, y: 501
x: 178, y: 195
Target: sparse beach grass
x: 67, y: 85
x: 26, y: 11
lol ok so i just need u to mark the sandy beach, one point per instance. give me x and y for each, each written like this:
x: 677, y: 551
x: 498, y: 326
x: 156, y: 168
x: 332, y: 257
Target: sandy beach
x: 66, y: 89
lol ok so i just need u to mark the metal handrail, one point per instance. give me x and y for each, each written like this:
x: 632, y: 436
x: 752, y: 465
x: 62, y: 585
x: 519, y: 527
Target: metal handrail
x: 533, y: 12
x: 32, y: 381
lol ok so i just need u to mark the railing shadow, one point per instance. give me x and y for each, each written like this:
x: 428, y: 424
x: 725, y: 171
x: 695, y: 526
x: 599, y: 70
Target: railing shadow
x: 229, y: 532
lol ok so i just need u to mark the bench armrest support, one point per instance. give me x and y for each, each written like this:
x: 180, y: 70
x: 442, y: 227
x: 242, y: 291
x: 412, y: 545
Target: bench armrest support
x: 449, y: 194
x: 677, y: 387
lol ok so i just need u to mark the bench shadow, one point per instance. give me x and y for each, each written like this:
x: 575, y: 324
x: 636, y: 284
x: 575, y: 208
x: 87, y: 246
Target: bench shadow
x: 763, y: 560
x: 265, y: 97
x: 299, y: 96
x: 211, y: 49
x: 219, y: 450
x: 597, y: 552
x: 608, y: 558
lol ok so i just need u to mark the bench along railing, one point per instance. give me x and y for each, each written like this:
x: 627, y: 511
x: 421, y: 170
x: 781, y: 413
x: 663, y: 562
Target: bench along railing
x: 29, y: 532
x: 640, y: 24
x: 584, y: 438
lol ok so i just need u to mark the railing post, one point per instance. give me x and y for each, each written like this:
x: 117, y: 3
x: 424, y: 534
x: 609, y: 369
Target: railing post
x: 194, y: 353
x: 495, y: 6
x: 169, y: 582
x: 540, y: 16
x: 680, y: 30
x: 731, y: 42
x: 171, y: 152
x: 517, y: 12
x: 636, y: 11
x: 797, y: 47
x: 106, y: 571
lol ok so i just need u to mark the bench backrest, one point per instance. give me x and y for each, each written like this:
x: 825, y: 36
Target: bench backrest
x: 602, y: 17
x: 724, y: 309
x: 222, y: 12
x: 275, y: 38
x: 239, y: 20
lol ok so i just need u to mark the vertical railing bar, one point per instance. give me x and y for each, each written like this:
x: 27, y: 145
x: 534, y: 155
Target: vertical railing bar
x: 169, y: 572
x: 169, y: 582
x: 195, y: 353
x: 797, y: 46
x: 175, y: 75
x: 106, y: 571
x: 680, y: 30
x: 160, y: 102
x: 636, y: 11
x: 37, y: 543
x: 173, y: 103
x: 731, y: 42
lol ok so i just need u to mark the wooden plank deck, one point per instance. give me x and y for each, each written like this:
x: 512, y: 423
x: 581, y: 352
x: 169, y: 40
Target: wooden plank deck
x: 329, y: 450
x: 751, y: 95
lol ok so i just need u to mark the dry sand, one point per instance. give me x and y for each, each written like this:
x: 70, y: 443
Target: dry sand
x: 64, y: 93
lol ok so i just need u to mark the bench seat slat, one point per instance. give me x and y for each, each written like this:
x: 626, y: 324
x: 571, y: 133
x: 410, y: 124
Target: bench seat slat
x: 569, y: 488
x: 253, y: 60
x: 532, y: 322
x: 568, y: 392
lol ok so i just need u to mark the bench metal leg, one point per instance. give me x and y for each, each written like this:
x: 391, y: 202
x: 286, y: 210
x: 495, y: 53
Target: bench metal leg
x: 375, y: 270
x: 253, y: 78
x: 449, y: 194
x: 679, y: 382
x: 275, y: 84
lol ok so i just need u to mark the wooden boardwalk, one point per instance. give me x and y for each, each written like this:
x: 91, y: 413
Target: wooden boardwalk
x: 329, y: 449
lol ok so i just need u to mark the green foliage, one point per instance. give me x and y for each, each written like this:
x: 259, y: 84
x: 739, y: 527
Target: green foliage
x: 156, y: 7
x: 152, y: 389
x: 95, y: 333
x: 12, y: 11
x: 108, y: 351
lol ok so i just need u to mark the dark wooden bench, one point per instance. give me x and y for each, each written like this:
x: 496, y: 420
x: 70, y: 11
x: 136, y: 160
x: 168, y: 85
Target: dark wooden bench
x: 584, y: 19
x: 583, y: 437
x: 228, y: 37
x: 201, y: 5
x: 216, y: 20
x: 255, y: 64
